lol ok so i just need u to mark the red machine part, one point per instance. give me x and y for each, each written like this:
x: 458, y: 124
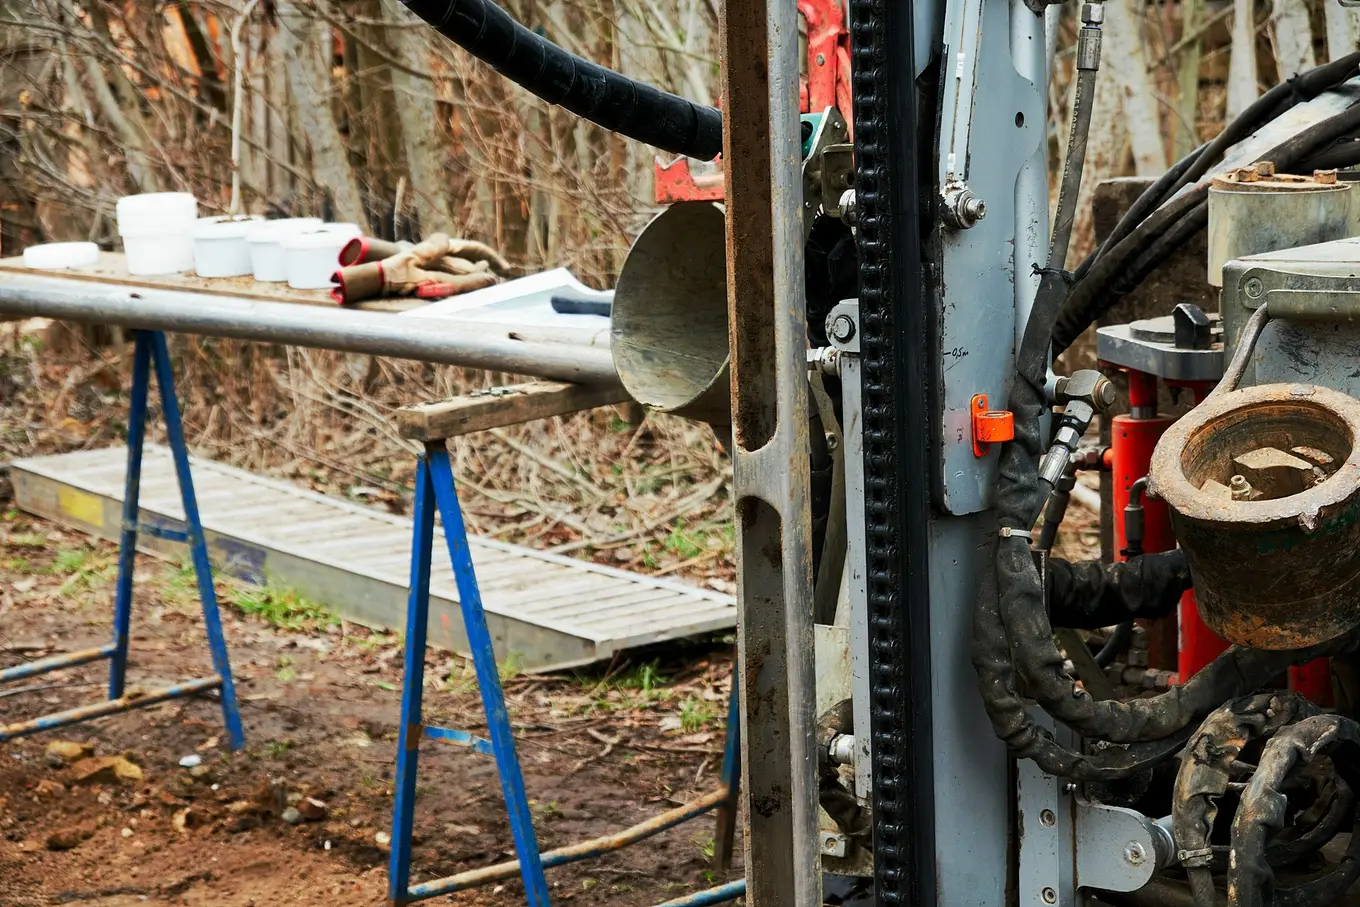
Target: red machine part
x: 1133, y: 437
x: 827, y: 84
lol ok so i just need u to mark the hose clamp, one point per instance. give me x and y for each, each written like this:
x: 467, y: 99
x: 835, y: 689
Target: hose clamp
x: 1195, y: 858
x: 1006, y: 532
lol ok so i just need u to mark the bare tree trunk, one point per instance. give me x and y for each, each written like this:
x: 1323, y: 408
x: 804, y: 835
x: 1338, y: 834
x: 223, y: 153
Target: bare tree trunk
x: 306, y: 47
x: 1242, y: 64
x: 1187, y: 80
x: 426, y: 158
x: 1123, y: 57
x: 1293, y: 37
x: 1106, y: 149
x: 1343, y: 29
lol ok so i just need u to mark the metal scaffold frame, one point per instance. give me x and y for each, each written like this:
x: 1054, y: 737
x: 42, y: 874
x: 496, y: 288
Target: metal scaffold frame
x: 150, y: 350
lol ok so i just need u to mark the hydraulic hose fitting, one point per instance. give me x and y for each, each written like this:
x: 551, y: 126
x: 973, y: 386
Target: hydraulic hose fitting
x: 1133, y: 520
x: 1088, y: 38
x: 1083, y: 394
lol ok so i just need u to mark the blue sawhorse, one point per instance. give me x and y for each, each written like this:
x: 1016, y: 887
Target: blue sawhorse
x: 435, y: 489
x: 150, y: 349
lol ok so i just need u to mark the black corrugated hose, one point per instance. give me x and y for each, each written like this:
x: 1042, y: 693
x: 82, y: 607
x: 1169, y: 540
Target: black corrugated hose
x: 606, y: 98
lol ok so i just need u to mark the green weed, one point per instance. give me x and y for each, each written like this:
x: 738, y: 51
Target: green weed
x: 694, y: 715
x: 284, y: 609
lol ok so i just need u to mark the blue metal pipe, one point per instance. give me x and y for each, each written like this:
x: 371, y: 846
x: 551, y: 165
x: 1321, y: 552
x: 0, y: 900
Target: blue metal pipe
x: 720, y: 895
x: 127, y: 544
x: 488, y: 676
x: 108, y: 707
x: 56, y: 663
x: 462, y: 738
x: 413, y: 688
x: 198, y: 544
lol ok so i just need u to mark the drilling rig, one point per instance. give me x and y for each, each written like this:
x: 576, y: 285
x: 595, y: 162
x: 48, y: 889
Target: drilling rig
x: 869, y: 308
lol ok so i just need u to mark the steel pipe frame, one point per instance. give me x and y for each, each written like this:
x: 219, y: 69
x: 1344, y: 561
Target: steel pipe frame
x: 466, y: 344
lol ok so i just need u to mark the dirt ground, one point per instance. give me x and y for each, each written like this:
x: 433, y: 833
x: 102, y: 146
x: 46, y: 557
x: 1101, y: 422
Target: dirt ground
x: 320, y: 701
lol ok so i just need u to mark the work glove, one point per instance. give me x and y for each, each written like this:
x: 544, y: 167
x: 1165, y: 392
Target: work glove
x: 433, y: 269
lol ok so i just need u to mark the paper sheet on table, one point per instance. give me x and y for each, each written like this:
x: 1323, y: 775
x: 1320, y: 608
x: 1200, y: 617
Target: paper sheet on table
x: 526, y: 301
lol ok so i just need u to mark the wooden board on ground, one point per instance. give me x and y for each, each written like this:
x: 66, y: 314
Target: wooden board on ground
x: 112, y: 268
x: 498, y: 407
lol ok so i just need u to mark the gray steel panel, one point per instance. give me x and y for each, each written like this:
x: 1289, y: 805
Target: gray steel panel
x: 991, y: 126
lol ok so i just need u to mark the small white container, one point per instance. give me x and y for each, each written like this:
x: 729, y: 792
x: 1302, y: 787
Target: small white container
x: 56, y: 255
x: 156, y: 229
x: 220, y: 248
x: 265, y: 240
x: 314, y: 257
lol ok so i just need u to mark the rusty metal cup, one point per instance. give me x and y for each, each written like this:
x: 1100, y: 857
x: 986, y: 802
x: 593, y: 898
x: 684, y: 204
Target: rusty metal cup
x: 1271, y: 574
x: 669, y: 322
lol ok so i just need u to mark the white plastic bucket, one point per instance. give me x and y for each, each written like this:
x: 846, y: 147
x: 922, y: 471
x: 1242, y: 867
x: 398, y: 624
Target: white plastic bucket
x: 313, y: 257
x: 220, y: 248
x: 156, y: 229
x: 265, y: 241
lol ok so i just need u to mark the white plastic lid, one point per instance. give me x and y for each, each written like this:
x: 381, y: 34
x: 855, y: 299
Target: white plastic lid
x: 228, y: 227
x: 274, y: 230
x: 155, y: 212
x: 54, y: 255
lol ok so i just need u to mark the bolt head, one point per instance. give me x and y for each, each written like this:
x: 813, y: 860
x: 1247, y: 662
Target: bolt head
x: 842, y: 328
x: 1050, y: 896
x: 1134, y: 853
x: 821, y: 59
x: 1047, y: 819
x: 1254, y: 288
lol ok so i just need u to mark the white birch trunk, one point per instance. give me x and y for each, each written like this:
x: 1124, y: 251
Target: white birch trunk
x: 1242, y: 63
x: 1343, y: 29
x: 1293, y: 37
x: 1122, y: 55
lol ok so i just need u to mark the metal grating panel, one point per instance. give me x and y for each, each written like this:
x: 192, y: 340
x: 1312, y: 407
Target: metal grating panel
x: 545, y: 611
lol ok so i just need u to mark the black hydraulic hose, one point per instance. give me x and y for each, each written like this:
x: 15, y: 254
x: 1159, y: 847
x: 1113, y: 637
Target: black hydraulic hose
x: 1116, y: 645
x: 1264, y: 808
x: 1194, y: 165
x: 1087, y: 595
x: 1094, y: 295
x: 1206, y: 772
x: 606, y: 98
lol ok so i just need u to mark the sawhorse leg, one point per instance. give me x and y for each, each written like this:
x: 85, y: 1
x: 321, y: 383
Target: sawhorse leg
x: 435, y: 488
x: 724, y: 836
x: 150, y: 351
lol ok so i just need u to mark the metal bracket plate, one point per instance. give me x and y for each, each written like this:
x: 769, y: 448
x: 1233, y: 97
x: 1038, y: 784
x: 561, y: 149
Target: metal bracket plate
x: 991, y: 131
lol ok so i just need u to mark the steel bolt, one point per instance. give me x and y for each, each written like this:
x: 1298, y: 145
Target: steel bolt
x: 1050, y: 896
x: 833, y: 442
x: 1254, y: 288
x: 1047, y: 819
x: 821, y: 59
x: 842, y: 328
x: 1134, y: 853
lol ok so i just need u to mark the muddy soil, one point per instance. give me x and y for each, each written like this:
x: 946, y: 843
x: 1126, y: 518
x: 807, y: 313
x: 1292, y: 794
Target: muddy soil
x: 320, y: 703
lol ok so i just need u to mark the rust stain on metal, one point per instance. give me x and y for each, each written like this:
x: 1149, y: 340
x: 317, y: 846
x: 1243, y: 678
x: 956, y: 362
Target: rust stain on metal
x: 1277, y: 572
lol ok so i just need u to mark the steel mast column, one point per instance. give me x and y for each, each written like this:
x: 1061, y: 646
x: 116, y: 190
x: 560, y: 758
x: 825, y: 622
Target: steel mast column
x: 766, y: 311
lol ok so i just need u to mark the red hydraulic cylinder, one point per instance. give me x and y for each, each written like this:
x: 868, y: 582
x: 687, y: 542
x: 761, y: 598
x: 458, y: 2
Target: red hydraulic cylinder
x: 1313, y: 680
x: 1133, y: 437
